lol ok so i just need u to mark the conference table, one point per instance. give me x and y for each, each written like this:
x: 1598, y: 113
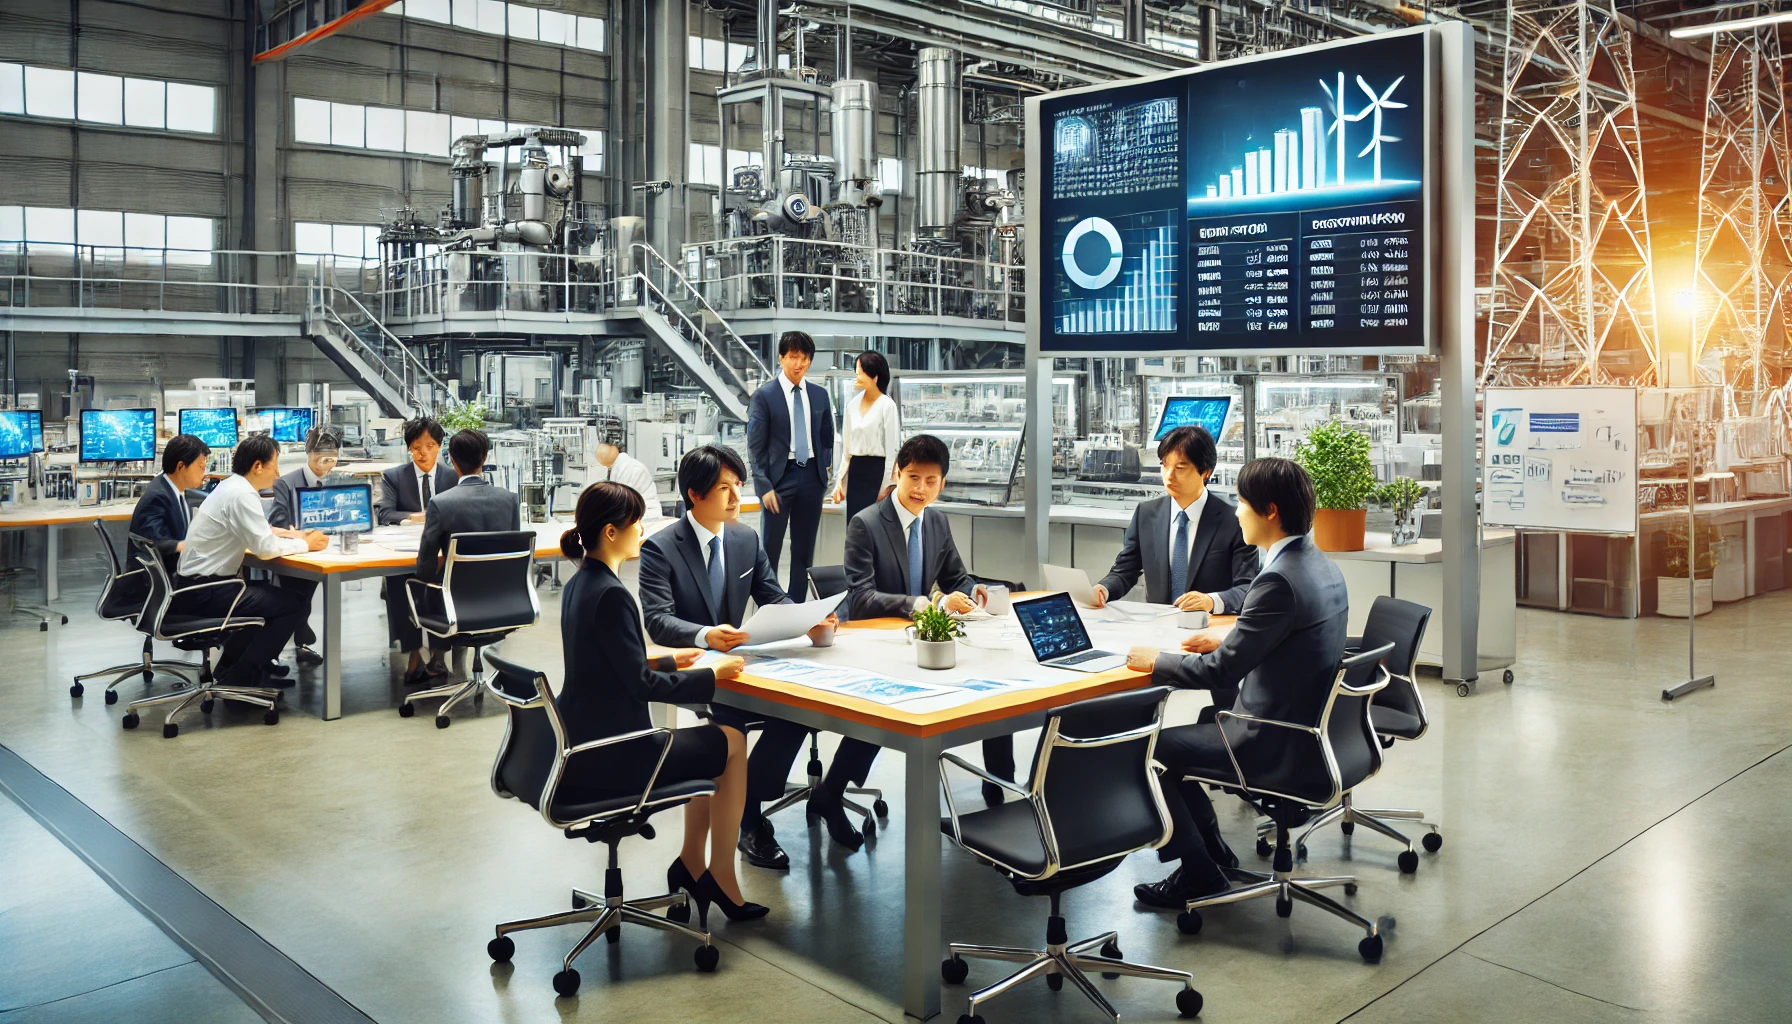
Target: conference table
x: 53, y: 516
x: 922, y: 728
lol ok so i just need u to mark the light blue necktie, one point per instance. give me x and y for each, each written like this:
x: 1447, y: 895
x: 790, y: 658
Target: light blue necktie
x: 799, y: 427
x: 914, y: 558
x: 716, y: 582
x: 1179, y: 557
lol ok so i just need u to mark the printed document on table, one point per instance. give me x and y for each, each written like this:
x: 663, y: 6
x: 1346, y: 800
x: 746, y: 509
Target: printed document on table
x: 774, y: 622
x: 1143, y: 610
x: 851, y: 682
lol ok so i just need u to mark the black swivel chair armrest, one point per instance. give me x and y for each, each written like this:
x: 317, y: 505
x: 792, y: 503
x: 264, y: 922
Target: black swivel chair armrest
x: 946, y: 786
x: 566, y: 756
x: 238, y: 582
x: 410, y: 597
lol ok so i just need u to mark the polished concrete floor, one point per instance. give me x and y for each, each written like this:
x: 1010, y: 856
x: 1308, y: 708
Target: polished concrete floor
x: 1608, y: 857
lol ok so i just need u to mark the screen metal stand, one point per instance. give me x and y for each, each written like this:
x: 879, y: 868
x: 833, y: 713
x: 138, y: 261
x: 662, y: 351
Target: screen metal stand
x: 1694, y: 681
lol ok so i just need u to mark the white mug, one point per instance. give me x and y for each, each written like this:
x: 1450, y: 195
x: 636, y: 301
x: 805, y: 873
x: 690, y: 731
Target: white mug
x: 825, y: 638
x: 1191, y: 620
x: 995, y: 599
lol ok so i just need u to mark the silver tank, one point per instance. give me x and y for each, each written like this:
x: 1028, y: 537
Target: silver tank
x: 855, y: 130
x: 937, y: 128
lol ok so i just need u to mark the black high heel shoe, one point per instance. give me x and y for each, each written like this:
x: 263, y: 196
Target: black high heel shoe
x: 840, y: 828
x: 707, y: 892
x: 679, y: 877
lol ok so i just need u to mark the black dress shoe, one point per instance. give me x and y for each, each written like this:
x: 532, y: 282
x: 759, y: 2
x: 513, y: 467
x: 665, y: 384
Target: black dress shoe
x: 833, y: 814
x: 252, y: 678
x: 307, y: 656
x: 418, y: 676
x: 435, y: 667
x: 993, y: 795
x: 760, y: 846
x: 274, y: 668
x: 1174, y: 892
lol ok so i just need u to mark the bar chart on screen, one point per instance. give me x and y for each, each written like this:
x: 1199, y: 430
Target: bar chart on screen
x: 1121, y: 275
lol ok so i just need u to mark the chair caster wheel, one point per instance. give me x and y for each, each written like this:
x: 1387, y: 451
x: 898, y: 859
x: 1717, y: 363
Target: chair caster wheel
x: 407, y: 709
x: 1350, y: 888
x: 1370, y: 948
x: 1347, y: 827
x: 970, y: 1018
x: 44, y: 626
x: 707, y: 957
x: 680, y: 912
x: 614, y: 935
x: 880, y: 808
x: 205, y: 707
x: 1055, y: 982
x: 1111, y: 950
x: 171, y: 730
x: 441, y: 721
x: 1189, y: 922
x: 954, y: 970
x: 1188, y: 1003
x: 148, y: 675
x: 131, y: 720
x: 1461, y: 689
x: 578, y: 902
x: 65, y: 620
x: 111, y: 696
x: 1284, y: 907
x: 1507, y: 677
x: 869, y: 828
x: 1432, y: 841
x: 1301, y: 851
x: 1264, y: 849
x: 270, y: 717
x: 500, y: 949
x: 566, y: 982
x: 77, y: 690
x: 1409, y: 862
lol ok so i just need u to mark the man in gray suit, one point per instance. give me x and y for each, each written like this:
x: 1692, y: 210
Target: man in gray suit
x: 323, y: 446
x: 471, y: 506
x: 1281, y: 656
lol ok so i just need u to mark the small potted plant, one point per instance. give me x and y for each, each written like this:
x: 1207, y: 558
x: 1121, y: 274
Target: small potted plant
x: 1406, y: 499
x: 457, y: 416
x: 1337, y: 458
x: 936, y: 638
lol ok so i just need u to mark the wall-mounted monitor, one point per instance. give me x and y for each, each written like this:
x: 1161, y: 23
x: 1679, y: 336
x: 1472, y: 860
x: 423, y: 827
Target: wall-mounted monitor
x: 21, y: 433
x: 1207, y: 411
x: 1273, y: 204
x: 287, y: 425
x: 344, y: 508
x: 118, y: 435
x: 216, y: 427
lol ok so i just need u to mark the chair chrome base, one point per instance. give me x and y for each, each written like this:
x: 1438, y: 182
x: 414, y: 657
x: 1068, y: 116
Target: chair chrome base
x: 455, y: 692
x: 1286, y: 888
x: 146, y: 666
x: 794, y: 793
x: 204, y: 695
x: 1066, y: 960
x: 1348, y: 816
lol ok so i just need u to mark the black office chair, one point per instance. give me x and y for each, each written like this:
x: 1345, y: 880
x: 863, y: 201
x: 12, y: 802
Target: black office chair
x: 121, y: 600
x: 531, y: 762
x: 486, y: 594
x: 1398, y: 713
x: 1092, y: 801
x: 201, y: 633
x: 1297, y: 768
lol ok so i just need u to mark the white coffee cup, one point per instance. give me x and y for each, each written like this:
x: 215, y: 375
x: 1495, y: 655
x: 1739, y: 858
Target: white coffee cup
x: 824, y: 637
x: 994, y: 599
x: 1191, y: 620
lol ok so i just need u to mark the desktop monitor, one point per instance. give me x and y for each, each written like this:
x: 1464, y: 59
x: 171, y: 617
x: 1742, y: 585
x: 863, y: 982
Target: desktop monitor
x: 118, y: 435
x: 287, y: 425
x: 21, y: 433
x: 340, y: 508
x: 1194, y: 411
x: 216, y: 427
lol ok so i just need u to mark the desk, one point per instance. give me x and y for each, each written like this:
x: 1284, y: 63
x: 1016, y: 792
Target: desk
x: 53, y: 517
x: 921, y: 735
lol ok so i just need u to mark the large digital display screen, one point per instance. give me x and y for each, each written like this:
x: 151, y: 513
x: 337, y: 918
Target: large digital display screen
x: 118, y: 435
x: 1261, y: 205
x: 21, y: 433
x: 339, y: 509
x: 216, y: 427
x: 288, y: 426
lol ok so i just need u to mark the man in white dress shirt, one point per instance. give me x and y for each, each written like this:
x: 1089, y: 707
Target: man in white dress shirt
x: 227, y: 524
x: 615, y: 464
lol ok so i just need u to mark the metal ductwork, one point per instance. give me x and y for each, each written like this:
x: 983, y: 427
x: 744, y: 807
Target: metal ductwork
x: 855, y: 141
x: 939, y: 111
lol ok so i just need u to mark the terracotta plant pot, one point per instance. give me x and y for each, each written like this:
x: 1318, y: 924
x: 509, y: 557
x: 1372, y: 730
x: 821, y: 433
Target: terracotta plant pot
x: 1337, y: 529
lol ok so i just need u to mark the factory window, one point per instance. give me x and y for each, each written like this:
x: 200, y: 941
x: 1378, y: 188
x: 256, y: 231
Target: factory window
x: 889, y: 175
x: 706, y: 164
x: 423, y: 132
x: 107, y: 99
x: 344, y: 241
x: 708, y: 54
x: 519, y: 21
x: 143, y: 237
x: 986, y: 173
x: 1172, y: 44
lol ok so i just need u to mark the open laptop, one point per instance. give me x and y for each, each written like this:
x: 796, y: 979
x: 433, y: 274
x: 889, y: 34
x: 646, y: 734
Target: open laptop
x: 1055, y: 630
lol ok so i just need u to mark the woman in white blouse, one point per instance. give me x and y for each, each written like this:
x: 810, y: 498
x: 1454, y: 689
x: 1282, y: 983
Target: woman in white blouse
x: 872, y: 437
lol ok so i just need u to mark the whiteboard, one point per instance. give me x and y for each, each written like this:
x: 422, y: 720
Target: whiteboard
x: 1559, y: 458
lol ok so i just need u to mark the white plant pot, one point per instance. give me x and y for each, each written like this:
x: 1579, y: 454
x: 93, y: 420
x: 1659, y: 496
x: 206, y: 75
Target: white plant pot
x: 936, y: 653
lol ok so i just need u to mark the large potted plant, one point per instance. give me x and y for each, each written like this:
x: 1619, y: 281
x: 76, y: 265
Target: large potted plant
x: 936, y: 638
x: 1337, y: 458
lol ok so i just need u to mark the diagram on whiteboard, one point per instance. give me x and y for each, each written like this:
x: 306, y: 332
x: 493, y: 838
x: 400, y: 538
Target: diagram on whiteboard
x: 1560, y: 458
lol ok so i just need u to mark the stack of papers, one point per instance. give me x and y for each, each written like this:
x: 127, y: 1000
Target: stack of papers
x: 850, y: 682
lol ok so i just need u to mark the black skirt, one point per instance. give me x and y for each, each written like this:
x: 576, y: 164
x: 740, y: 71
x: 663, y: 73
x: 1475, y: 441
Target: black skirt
x: 699, y: 752
x: 865, y: 478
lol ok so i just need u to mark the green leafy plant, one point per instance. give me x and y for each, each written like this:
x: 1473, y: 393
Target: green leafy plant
x: 1337, y: 458
x: 464, y: 415
x: 1401, y: 496
x: 935, y: 626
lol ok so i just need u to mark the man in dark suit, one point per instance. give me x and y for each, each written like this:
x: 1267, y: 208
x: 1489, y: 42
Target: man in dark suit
x: 1186, y: 543
x: 472, y: 505
x: 900, y: 551
x: 696, y: 578
x: 162, y: 514
x: 405, y: 492
x: 323, y: 446
x: 1282, y: 656
x: 790, y: 437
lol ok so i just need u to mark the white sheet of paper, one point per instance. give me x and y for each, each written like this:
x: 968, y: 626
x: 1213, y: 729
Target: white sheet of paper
x: 773, y: 646
x: 1143, y: 610
x: 849, y: 681
x: 775, y: 622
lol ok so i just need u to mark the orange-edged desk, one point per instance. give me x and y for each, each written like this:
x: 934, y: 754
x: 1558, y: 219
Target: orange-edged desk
x: 922, y: 735
x: 53, y: 517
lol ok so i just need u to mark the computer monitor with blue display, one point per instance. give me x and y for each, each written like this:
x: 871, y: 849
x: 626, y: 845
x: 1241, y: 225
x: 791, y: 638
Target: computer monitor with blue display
x: 1194, y: 411
x: 118, y: 435
x: 344, y: 508
x: 216, y: 427
x: 287, y: 425
x: 21, y: 433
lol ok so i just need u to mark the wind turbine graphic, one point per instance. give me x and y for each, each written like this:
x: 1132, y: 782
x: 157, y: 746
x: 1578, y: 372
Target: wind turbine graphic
x: 1375, y: 106
x: 1338, y: 119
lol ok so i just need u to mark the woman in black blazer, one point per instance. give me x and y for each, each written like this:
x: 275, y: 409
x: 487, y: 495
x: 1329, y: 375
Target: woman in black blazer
x: 609, y: 683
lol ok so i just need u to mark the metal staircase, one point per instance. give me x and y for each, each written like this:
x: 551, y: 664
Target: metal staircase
x: 372, y: 356
x: 693, y: 333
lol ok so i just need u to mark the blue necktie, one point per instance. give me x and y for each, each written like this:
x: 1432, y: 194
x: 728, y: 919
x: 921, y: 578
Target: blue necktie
x: 799, y: 427
x: 716, y: 582
x: 914, y: 559
x: 1179, y: 557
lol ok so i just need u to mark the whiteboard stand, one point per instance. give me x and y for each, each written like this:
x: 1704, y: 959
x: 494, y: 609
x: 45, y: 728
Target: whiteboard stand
x: 1694, y: 681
